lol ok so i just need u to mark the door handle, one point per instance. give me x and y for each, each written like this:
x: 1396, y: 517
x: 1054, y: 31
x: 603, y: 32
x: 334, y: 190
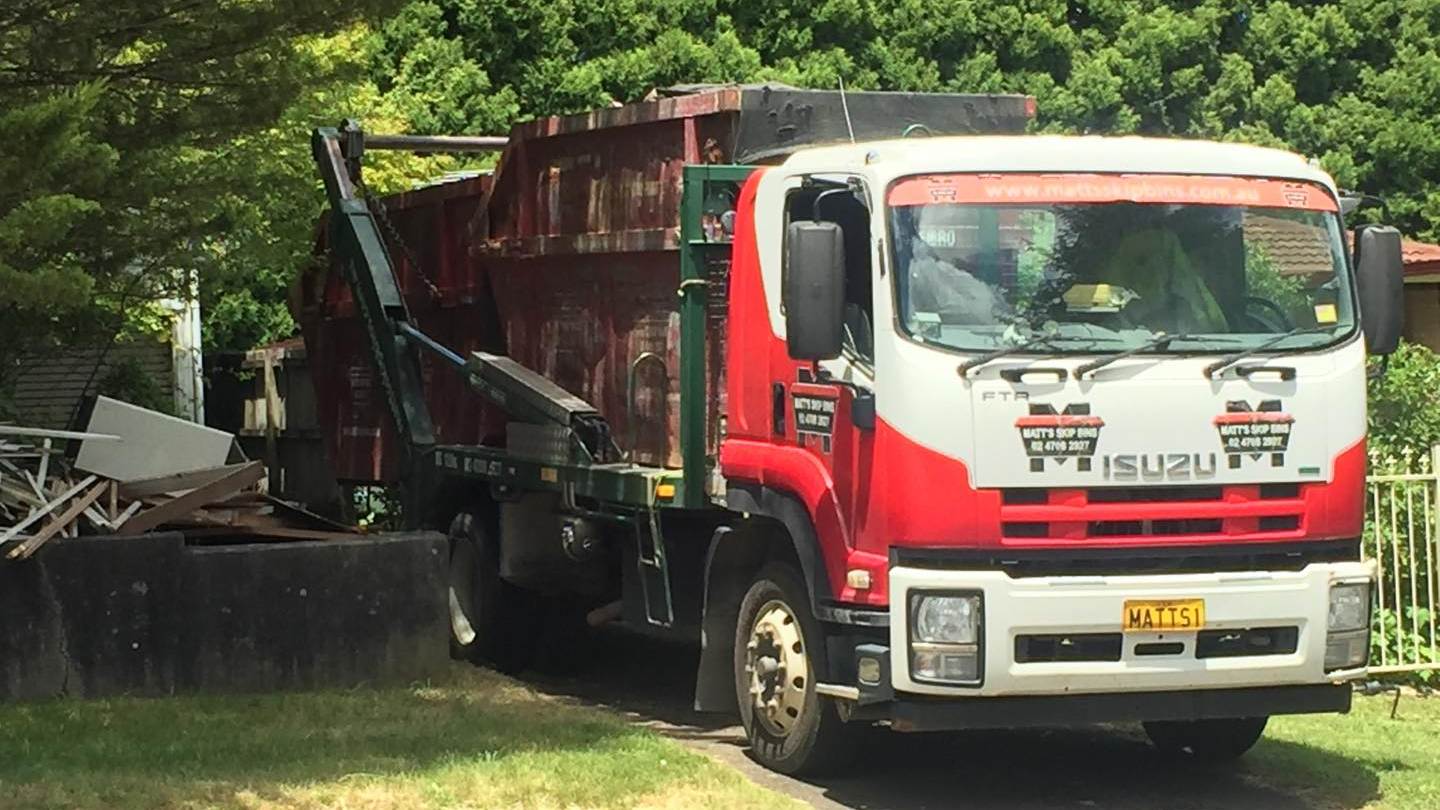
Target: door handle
x: 777, y: 408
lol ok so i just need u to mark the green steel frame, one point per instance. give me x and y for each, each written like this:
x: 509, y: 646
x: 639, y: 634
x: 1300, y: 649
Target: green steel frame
x: 626, y: 486
x: 708, y: 192
x: 694, y: 294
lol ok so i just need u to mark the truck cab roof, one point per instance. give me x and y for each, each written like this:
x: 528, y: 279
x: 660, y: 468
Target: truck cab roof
x: 890, y: 159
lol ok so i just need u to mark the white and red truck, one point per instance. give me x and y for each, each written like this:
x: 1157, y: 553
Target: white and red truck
x: 916, y: 420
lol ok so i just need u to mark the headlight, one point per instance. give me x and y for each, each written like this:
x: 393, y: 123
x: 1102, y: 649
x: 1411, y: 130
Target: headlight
x: 945, y: 619
x: 1349, y: 607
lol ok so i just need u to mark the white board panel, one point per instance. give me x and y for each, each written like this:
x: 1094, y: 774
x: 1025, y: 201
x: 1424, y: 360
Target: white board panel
x: 152, y: 444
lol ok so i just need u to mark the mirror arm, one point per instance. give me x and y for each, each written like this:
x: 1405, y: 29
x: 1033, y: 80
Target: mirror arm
x: 1362, y: 200
x: 823, y: 377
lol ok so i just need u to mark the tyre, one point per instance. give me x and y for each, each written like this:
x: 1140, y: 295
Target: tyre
x: 1206, y: 740
x: 488, y: 616
x: 779, y: 657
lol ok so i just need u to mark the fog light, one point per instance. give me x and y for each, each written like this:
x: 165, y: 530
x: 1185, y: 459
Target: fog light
x: 1347, y: 650
x: 867, y: 671
x: 945, y: 664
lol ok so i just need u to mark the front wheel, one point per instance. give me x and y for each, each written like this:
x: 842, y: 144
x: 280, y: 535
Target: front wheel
x: 779, y: 656
x: 1207, y: 740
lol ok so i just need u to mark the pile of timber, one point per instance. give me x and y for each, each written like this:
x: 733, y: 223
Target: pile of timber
x: 44, y: 496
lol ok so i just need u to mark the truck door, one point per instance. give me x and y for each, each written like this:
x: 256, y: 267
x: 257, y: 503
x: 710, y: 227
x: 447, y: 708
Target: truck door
x: 831, y: 405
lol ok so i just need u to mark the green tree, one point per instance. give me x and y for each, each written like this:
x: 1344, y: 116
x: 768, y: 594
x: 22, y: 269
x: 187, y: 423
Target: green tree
x: 111, y: 118
x: 1405, y: 410
x: 145, y: 138
x: 1353, y: 83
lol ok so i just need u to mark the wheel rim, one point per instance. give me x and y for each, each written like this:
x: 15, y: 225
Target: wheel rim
x: 462, y: 593
x: 777, y: 668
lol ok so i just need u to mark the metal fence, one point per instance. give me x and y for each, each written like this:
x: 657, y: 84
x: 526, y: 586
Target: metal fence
x: 1402, y: 536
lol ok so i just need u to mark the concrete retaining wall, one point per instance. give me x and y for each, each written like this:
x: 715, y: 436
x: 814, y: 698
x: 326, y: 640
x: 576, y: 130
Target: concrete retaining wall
x: 149, y: 615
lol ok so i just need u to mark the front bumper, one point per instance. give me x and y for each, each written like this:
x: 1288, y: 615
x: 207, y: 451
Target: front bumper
x: 1132, y: 686
x: 939, y: 714
x: 1061, y: 605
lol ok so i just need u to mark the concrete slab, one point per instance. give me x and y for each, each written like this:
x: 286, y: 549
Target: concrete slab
x: 149, y: 615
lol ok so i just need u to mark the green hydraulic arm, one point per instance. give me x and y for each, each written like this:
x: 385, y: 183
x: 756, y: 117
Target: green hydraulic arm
x: 356, y: 238
x: 394, y: 339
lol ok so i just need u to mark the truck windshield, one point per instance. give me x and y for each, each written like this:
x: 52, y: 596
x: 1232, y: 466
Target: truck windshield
x: 982, y: 261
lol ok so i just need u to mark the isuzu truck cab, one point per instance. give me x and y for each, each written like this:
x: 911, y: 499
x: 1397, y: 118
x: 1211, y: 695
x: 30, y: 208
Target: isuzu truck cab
x: 1080, y: 423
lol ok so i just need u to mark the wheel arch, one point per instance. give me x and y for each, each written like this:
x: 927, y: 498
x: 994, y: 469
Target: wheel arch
x: 776, y: 527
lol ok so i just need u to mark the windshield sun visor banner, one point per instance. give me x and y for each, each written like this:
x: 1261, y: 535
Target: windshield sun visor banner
x: 1019, y: 189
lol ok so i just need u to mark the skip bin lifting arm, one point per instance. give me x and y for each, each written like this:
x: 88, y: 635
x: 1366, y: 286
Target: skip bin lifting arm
x: 357, y: 238
x: 365, y: 262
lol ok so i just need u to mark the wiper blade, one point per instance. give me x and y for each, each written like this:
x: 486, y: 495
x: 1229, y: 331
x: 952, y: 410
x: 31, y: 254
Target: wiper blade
x: 1154, y: 343
x: 1039, y: 340
x: 1231, y: 359
x: 976, y: 362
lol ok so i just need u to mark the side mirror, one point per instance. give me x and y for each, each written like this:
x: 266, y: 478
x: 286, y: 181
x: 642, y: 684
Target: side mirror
x: 1379, y: 277
x: 814, y: 290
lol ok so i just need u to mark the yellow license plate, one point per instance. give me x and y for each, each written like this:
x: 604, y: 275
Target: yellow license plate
x: 1164, y: 614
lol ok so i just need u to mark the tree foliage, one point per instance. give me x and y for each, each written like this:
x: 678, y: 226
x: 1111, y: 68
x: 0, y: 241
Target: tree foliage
x: 1405, y: 410
x: 113, y: 117
x: 1354, y: 83
x: 142, y: 138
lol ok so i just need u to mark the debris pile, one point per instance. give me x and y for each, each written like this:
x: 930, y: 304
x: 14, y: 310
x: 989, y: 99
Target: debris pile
x: 136, y: 471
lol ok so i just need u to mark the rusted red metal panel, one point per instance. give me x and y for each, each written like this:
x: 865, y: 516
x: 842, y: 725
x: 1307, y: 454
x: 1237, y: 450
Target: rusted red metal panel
x: 566, y: 260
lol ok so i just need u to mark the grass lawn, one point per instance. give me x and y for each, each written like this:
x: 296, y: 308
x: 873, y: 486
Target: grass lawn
x: 476, y: 741
x: 479, y: 740
x: 1363, y: 759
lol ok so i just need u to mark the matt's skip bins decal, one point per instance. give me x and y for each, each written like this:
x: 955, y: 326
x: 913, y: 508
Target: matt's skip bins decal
x: 1060, y: 435
x: 815, y: 416
x: 1252, y: 432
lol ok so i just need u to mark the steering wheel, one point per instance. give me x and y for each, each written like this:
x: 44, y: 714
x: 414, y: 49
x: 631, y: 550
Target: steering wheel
x: 1273, y: 318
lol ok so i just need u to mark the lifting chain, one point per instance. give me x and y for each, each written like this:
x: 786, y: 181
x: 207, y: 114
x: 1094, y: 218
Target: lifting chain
x: 392, y: 235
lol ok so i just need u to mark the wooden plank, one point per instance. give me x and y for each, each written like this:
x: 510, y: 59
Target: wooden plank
x: 106, y: 516
x: 241, y: 477
x: 272, y: 420
x: 44, y: 433
x: 298, y: 514
x: 276, y: 532
x: 178, y: 482
x: 45, y: 510
x: 125, y: 514
x: 21, y: 497
x: 44, y: 471
x: 95, y: 514
x: 60, y: 523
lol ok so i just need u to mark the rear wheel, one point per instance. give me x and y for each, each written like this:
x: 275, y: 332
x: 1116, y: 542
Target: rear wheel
x: 1207, y: 740
x: 487, y: 614
x: 779, y: 657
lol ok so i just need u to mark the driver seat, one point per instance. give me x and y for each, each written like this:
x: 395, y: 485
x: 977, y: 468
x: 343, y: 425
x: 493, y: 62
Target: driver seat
x: 1172, y: 296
